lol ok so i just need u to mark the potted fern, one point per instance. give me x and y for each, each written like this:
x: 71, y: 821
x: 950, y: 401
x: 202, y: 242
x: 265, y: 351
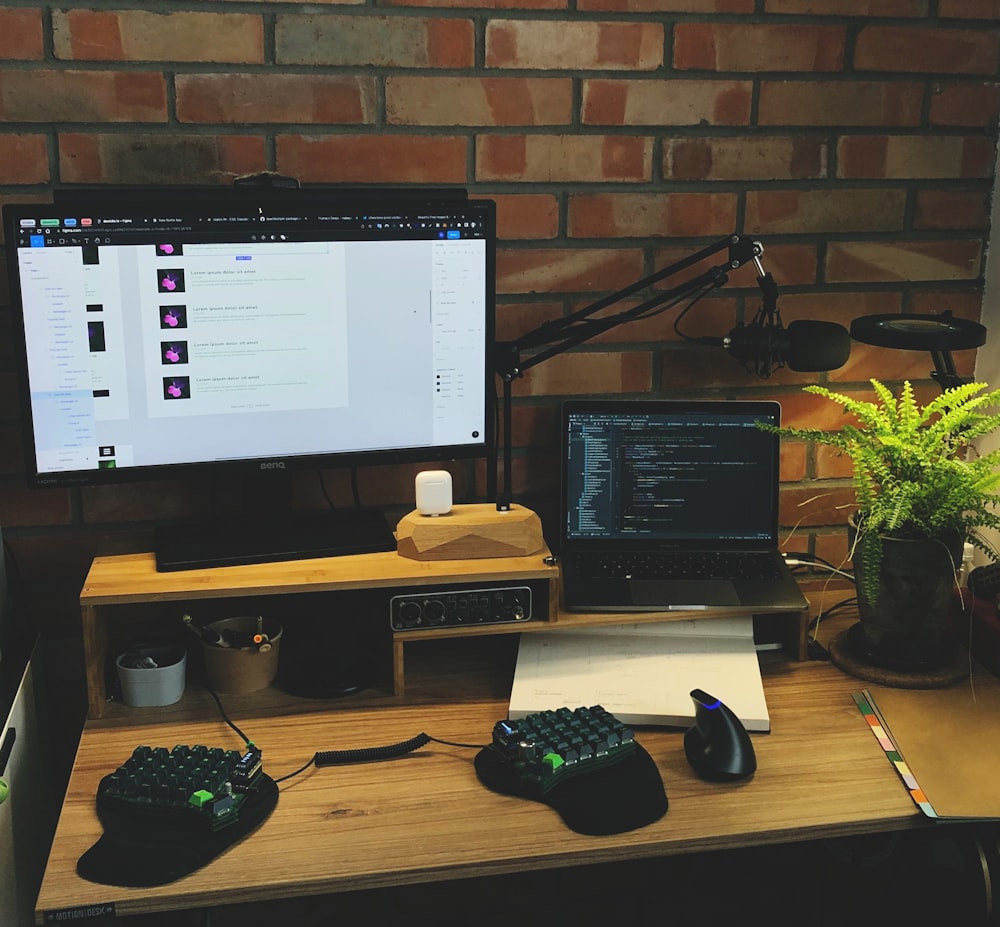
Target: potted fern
x: 921, y: 492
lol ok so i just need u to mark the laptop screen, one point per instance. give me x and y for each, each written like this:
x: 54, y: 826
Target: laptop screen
x: 669, y: 471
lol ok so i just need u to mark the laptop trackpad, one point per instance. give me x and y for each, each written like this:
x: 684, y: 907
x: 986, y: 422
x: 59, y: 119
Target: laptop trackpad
x: 680, y: 593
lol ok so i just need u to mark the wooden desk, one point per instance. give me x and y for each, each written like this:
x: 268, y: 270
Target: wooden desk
x: 426, y: 817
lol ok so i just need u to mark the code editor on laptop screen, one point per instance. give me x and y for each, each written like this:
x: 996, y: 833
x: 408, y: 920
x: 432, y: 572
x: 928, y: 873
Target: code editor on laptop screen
x: 680, y: 474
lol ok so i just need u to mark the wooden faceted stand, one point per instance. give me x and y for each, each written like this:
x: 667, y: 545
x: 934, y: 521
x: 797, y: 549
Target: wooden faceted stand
x: 470, y: 532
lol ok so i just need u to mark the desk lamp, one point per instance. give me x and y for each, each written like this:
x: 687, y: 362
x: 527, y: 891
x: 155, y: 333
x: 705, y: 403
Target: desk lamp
x: 940, y: 334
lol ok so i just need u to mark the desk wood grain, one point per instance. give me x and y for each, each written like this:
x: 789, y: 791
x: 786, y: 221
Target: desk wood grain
x: 426, y: 817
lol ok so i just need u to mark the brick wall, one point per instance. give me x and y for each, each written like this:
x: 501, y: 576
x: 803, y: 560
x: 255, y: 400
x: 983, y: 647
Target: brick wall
x: 856, y: 138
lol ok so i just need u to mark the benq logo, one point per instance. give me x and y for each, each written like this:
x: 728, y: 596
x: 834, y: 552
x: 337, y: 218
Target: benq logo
x: 273, y: 465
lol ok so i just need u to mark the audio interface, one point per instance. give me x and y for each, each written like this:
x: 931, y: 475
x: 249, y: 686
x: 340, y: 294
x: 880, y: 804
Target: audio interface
x: 456, y: 607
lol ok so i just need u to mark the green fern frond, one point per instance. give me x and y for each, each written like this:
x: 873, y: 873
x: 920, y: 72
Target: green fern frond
x: 912, y: 474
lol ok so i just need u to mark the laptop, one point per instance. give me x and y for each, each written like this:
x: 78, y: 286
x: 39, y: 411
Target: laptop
x: 672, y: 505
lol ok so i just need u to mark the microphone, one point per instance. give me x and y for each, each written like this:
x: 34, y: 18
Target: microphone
x: 765, y: 344
x: 806, y: 345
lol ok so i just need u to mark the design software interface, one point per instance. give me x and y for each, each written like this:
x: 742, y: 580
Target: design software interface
x: 169, y: 339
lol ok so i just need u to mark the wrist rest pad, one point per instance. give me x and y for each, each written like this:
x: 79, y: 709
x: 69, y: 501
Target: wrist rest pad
x: 140, y: 849
x: 610, y: 800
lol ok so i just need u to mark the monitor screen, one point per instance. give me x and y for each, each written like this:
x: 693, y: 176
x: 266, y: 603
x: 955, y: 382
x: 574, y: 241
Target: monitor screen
x: 164, y: 333
x: 313, y: 335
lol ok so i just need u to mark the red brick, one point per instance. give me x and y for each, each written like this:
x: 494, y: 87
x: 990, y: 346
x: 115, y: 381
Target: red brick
x: 815, y: 504
x: 965, y: 104
x: 667, y: 6
x: 793, y: 461
x: 374, y: 41
x: 589, y: 372
x: 571, y: 45
x: 832, y: 465
x: 836, y: 103
x: 926, y: 50
x: 899, y: 260
x: 468, y: 101
x: 659, y: 102
x: 297, y: 2
x: 22, y: 508
x: 25, y: 158
x: 913, y: 156
x: 964, y: 305
x: 564, y: 158
x: 758, y: 47
x: 373, y: 158
x: 831, y: 546
x: 517, y: 319
x: 772, y: 212
x: 136, y: 502
x: 557, y: 270
x: 952, y: 209
x: 478, y: 4
x: 526, y: 215
x: 158, y: 159
x: 787, y: 263
x: 894, y: 8
x: 82, y: 96
x: 11, y: 447
x: 893, y: 365
x: 268, y: 97
x: 686, y: 370
x: 840, y: 307
x: 805, y: 410
x: 136, y: 35
x: 711, y: 317
x: 743, y: 157
x: 969, y: 9
x: 21, y: 34
x: 641, y: 215
x: 536, y: 425
x: 535, y: 472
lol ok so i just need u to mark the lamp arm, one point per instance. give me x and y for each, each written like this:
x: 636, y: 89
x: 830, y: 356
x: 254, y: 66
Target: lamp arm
x: 562, y: 334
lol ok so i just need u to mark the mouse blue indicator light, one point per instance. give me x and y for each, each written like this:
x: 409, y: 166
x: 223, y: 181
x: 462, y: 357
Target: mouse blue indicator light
x: 717, y: 745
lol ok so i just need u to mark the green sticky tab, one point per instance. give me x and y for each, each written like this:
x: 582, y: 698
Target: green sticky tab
x: 552, y: 761
x: 200, y: 798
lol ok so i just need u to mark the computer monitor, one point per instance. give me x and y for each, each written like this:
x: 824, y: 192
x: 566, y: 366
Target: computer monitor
x: 164, y: 334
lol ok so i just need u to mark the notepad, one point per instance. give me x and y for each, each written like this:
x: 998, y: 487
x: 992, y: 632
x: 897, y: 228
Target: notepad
x: 643, y: 673
x: 943, y: 744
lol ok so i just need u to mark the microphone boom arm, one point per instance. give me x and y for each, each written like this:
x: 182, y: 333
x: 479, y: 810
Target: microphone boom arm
x: 557, y: 336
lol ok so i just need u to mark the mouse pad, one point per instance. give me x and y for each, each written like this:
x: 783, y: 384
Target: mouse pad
x: 151, y: 847
x: 609, y: 800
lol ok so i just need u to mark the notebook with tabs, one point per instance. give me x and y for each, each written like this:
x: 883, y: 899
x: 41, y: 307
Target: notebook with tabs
x: 671, y: 505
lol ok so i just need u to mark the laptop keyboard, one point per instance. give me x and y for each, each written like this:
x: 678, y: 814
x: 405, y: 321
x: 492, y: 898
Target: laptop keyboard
x: 744, y: 565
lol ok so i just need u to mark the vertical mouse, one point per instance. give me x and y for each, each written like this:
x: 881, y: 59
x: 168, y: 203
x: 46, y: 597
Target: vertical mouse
x: 717, y: 745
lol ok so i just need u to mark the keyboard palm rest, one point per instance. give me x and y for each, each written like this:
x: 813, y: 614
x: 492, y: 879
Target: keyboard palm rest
x: 166, y: 813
